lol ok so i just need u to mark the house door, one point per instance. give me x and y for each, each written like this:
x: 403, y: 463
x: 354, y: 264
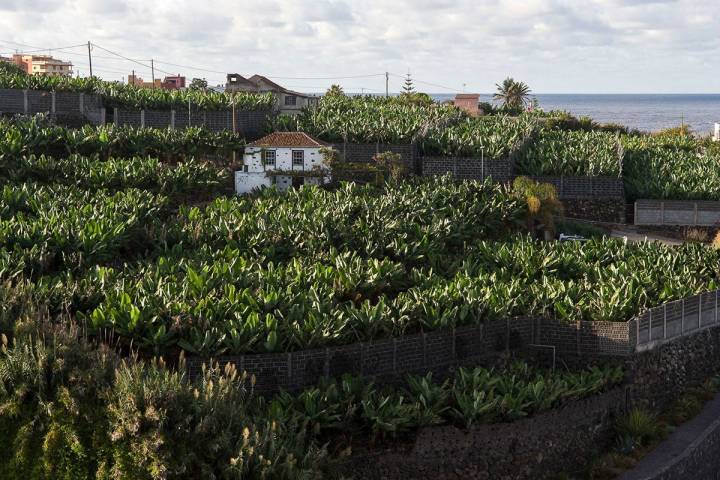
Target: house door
x: 298, y: 182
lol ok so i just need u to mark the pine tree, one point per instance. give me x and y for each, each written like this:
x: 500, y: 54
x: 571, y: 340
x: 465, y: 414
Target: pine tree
x: 408, y: 88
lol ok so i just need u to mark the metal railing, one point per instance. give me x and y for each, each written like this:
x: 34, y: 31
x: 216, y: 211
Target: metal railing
x: 676, y: 319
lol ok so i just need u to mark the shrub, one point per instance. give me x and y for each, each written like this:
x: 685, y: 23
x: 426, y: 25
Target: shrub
x: 640, y: 425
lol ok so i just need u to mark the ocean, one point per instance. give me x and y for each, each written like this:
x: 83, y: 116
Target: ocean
x: 647, y: 112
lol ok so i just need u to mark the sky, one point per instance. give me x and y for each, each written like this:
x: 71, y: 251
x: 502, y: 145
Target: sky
x: 555, y: 46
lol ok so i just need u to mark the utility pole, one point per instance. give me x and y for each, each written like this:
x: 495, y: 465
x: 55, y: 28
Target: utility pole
x: 152, y: 68
x: 387, y: 82
x: 90, y: 58
x: 134, y: 82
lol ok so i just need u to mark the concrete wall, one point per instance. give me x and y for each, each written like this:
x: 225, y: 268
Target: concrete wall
x: 65, y: 107
x: 677, y: 212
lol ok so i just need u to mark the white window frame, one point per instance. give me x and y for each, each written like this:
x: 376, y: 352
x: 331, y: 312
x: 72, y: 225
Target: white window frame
x: 301, y: 154
x: 266, y: 154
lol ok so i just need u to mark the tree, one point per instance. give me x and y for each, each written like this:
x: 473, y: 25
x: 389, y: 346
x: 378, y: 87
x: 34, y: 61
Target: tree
x: 408, y: 88
x: 198, y: 84
x: 335, y: 91
x: 513, y: 95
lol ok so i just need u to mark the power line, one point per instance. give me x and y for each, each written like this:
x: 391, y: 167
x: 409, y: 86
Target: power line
x: 428, y: 83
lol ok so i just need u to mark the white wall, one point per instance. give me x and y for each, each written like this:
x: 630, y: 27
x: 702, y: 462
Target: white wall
x: 283, y: 159
x: 256, y: 176
x: 247, y: 182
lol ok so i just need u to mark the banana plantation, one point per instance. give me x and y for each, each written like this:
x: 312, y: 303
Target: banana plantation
x: 118, y: 245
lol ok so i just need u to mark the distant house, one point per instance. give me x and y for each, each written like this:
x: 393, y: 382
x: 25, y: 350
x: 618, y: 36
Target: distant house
x: 468, y: 102
x: 43, y: 65
x: 175, y: 82
x: 288, y: 101
x: 285, y: 159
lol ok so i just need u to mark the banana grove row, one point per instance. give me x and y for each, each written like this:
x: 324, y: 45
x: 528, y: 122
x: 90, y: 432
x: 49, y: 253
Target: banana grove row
x: 119, y: 95
x: 677, y: 168
x: 437, y: 129
x: 38, y: 136
x: 559, y: 152
x: 208, y: 302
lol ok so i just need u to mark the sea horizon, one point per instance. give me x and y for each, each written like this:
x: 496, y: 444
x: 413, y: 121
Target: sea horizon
x: 647, y: 112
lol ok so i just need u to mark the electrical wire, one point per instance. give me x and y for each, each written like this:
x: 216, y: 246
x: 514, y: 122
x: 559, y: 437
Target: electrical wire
x: 427, y: 83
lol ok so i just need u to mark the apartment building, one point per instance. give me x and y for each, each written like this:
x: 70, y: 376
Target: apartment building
x: 43, y: 65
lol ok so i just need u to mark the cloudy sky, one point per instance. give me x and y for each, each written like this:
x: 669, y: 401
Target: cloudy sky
x: 556, y: 46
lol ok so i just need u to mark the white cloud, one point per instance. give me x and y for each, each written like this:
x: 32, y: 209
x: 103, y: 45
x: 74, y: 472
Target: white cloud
x: 554, y: 45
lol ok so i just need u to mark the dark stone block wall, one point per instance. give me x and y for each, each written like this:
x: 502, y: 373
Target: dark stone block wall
x: 250, y: 125
x: 468, y: 168
x: 391, y: 359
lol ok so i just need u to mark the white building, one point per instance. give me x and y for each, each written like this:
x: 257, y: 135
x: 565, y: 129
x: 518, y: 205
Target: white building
x: 285, y: 159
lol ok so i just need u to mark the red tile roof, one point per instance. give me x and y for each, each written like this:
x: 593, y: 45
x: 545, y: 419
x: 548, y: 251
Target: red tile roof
x: 287, y: 139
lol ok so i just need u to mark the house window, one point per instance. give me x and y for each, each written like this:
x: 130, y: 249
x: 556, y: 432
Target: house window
x: 290, y: 100
x: 269, y: 158
x: 298, y: 158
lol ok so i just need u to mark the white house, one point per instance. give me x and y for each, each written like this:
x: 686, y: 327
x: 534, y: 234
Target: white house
x: 285, y: 159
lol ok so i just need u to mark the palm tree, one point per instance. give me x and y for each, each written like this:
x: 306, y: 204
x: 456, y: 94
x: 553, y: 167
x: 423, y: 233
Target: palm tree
x: 335, y: 91
x: 512, y: 94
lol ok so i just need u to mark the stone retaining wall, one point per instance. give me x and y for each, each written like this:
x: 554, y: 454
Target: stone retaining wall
x: 539, y: 447
x: 561, y: 440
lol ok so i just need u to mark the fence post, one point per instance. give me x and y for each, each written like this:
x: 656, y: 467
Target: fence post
x: 172, y: 119
x: 695, y: 219
x: 700, y: 311
x: 82, y: 103
x: 682, y: 318
x: 635, y: 213
x: 662, y: 213
x: 482, y: 167
x: 52, y: 100
x: 103, y: 119
x: 25, y: 101
x: 142, y: 118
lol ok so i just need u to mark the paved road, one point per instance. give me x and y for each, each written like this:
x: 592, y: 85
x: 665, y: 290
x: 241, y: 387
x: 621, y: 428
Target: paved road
x: 680, y: 443
x: 634, y: 236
